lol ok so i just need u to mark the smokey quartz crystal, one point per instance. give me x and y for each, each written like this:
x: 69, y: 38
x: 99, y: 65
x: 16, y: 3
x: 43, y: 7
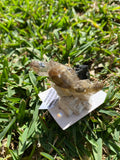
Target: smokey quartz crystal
x: 82, y: 71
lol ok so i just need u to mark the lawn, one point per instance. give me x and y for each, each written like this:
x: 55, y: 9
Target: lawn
x: 89, y: 33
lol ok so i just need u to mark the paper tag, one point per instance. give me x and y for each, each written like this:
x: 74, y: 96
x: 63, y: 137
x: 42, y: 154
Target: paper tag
x: 50, y: 98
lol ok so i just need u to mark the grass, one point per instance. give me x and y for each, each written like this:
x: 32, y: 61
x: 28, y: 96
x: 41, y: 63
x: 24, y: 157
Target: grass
x: 88, y: 32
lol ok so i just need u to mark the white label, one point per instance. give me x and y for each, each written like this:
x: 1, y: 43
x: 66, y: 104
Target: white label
x: 50, y: 97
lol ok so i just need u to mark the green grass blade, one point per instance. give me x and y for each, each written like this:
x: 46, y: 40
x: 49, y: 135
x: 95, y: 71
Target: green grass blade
x: 3, y: 27
x: 97, y: 151
x: 21, y: 112
x: 33, y: 81
x: 46, y: 155
x: 57, y: 151
x: 4, y: 132
x: 14, y: 154
x: 49, y: 17
x: 110, y: 112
